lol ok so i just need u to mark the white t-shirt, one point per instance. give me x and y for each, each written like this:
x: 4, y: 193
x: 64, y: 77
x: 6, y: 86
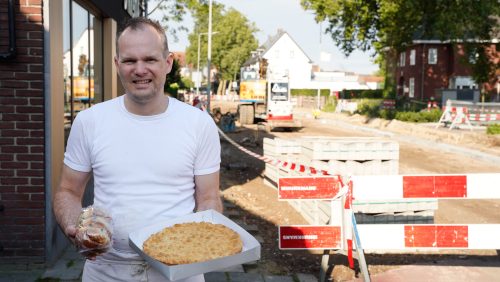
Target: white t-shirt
x: 143, y: 166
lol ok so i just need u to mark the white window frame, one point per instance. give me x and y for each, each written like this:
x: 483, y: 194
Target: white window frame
x: 402, y: 59
x: 432, y: 56
x: 412, y: 57
x: 411, y: 86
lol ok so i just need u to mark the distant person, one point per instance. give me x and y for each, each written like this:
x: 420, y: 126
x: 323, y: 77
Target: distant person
x: 197, y: 103
x: 153, y: 158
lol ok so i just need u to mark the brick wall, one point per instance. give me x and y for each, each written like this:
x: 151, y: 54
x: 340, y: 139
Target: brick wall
x: 22, y: 189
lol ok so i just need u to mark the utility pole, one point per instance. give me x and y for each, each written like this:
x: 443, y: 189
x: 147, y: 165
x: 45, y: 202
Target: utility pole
x: 199, y: 76
x: 209, y: 56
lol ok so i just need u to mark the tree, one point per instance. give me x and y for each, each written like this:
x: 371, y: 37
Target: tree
x: 173, y: 11
x: 379, y: 25
x: 231, y: 45
x: 173, y: 80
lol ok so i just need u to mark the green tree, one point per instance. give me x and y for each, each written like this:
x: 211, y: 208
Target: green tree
x: 231, y: 45
x: 379, y: 25
x: 173, y: 80
x: 173, y: 12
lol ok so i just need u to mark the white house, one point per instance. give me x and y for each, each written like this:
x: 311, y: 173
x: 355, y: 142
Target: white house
x: 285, y: 58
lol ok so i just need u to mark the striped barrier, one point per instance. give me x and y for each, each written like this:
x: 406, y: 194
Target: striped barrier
x: 462, y: 112
x: 443, y: 186
x: 483, y: 117
x: 430, y: 237
x: 454, y: 116
x: 386, y: 236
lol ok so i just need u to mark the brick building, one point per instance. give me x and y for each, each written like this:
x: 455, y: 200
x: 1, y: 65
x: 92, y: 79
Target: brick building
x: 55, y: 59
x: 427, y: 66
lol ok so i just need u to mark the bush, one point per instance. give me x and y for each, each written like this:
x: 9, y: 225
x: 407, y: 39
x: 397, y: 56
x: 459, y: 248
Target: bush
x: 362, y: 93
x: 387, y: 114
x: 330, y: 105
x: 369, y: 107
x: 493, y: 129
x: 423, y: 116
x: 310, y: 92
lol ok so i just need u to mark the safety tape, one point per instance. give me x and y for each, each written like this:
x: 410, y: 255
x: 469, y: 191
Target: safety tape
x: 290, y: 166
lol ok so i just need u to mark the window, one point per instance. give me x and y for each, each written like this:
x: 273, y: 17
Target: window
x: 277, y: 54
x: 411, y: 87
x: 402, y: 59
x: 433, y: 56
x: 412, y: 57
x: 82, y: 59
x: 292, y: 54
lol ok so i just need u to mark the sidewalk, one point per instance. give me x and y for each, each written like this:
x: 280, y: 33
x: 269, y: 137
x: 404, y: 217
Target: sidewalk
x: 70, y: 267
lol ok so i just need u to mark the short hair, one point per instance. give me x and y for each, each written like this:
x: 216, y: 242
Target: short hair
x: 138, y: 23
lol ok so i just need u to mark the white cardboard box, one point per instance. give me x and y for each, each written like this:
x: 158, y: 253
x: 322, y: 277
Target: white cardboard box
x: 250, y: 251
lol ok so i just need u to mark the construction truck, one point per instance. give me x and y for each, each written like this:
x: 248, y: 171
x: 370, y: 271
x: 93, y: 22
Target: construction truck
x: 267, y: 100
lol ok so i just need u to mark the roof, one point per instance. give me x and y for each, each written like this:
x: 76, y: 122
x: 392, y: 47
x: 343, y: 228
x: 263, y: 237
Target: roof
x: 180, y: 57
x: 264, y: 48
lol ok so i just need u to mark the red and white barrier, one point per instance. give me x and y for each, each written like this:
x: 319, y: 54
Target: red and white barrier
x: 394, y: 236
x: 384, y: 236
x: 471, y: 186
x: 483, y: 117
x: 454, y: 116
x: 429, y: 236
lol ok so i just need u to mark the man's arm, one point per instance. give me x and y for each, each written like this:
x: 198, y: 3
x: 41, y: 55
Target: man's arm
x: 68, y: 199
x: 207, y: 195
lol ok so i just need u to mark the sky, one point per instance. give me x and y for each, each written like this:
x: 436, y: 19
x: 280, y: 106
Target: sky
x: 270, y: 15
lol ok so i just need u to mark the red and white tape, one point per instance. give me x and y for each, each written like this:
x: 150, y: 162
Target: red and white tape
x: 289, y: 166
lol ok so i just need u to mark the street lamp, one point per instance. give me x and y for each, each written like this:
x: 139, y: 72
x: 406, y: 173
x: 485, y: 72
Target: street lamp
x: 198, y: 63
x: 209, y: 55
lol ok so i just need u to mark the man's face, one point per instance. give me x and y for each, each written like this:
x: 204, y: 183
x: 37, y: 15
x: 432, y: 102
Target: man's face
x: 141, y: 63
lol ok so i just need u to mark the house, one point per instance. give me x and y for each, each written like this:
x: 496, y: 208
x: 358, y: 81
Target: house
x: 53, y: 63
x: 284, y: 57
x: 427, y: 67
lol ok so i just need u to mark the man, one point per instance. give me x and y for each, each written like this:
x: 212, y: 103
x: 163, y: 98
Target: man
x: 152, y: 157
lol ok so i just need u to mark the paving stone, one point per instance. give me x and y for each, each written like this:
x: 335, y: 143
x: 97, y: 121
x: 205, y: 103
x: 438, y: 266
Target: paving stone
x: 68, y: 268
x: 259, y: 239
x: 216, y: 277
x: 251, y: 263
x: 229, y: 205
x: 306, y: 277
x: 247, y: 227
x: 234, y: 268
x: 272, y: 278
x: 245, y: 277
x: 231, y: 213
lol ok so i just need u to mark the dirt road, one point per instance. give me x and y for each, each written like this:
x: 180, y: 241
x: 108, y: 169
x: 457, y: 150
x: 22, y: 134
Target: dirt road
x: 242, y: 184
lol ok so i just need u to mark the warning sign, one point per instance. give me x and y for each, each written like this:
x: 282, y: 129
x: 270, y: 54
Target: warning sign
x: 310, y: 237
x: 294, y: 188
